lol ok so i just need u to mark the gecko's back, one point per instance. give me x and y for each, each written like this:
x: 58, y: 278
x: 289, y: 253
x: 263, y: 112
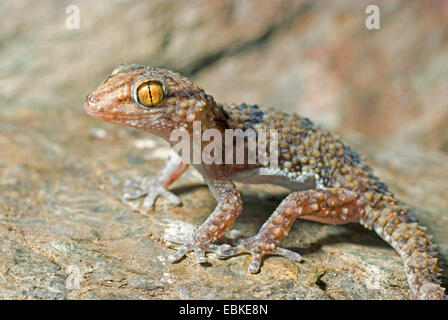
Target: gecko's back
x: 305, y: 149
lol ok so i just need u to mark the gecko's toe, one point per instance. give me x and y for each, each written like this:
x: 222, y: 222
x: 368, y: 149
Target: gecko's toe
x: 199, y: 253
x: 288, y: 254
x: 171, y: 197
x: 225, y: 251
x: 151, y: 193
x: 176, y: 257
x: 255, y: 264
x: 150, y: 200
x: 200, y: 256
x: 132, y: 195
x: 252, y: 247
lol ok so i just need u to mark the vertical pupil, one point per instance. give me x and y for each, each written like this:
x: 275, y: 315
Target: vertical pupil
x: 150, y: 87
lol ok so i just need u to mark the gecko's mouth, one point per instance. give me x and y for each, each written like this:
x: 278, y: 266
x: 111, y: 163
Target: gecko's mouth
x: 103, y: 114
x: 107, y: 113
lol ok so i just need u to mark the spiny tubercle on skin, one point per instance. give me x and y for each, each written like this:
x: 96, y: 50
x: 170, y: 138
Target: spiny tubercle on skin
x: 330, y: 182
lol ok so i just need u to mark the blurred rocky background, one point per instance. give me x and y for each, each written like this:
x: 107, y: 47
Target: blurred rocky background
x: 61, y: 172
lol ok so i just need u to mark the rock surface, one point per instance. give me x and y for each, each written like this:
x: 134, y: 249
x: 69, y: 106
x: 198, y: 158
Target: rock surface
x: 62, y: 173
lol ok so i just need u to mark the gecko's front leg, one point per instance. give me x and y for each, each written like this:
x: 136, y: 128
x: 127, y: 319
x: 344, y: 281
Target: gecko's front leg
x: 227, y: 210
x: 157, y: 185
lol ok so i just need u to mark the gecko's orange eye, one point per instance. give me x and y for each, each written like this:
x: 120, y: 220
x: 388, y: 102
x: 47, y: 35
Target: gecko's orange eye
x: 150, y: 93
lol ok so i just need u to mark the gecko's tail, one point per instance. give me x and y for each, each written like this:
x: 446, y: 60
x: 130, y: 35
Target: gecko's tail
x: 422, y: 264
x: 421, y: 259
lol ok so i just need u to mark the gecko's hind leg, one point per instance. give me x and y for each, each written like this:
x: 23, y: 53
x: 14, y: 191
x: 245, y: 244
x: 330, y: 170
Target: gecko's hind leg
x: 326, y: 205
x: 157, y: 185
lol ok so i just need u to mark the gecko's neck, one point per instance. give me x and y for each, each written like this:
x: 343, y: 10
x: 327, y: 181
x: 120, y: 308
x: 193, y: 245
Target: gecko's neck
x: 214, y: 117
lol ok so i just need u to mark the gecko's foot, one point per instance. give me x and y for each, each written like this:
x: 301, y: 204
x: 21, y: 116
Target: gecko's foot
x: 199, y: 252
x: 257, y: 249
x: 151, y: 190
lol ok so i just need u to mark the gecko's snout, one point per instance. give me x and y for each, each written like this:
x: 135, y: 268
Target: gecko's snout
x: 91, y: 103
x: 95, y: 106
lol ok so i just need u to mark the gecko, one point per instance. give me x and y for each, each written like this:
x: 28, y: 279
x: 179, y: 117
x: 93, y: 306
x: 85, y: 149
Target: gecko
x: 329, y: 181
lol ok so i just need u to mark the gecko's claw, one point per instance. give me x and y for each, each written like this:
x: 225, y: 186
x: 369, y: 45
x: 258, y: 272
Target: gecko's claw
x: 251, y: 246
x: 151, y: 190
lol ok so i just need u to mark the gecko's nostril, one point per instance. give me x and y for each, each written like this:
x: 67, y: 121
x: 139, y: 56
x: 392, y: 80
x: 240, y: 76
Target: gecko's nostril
x: 91, y: 99
x: 91, y: 102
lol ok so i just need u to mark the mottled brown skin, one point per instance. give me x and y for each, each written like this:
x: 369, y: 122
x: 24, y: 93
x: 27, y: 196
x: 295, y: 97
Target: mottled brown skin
x: 330, y: 182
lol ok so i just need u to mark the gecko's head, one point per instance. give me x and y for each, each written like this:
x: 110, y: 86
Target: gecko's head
x: 151, y: 99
